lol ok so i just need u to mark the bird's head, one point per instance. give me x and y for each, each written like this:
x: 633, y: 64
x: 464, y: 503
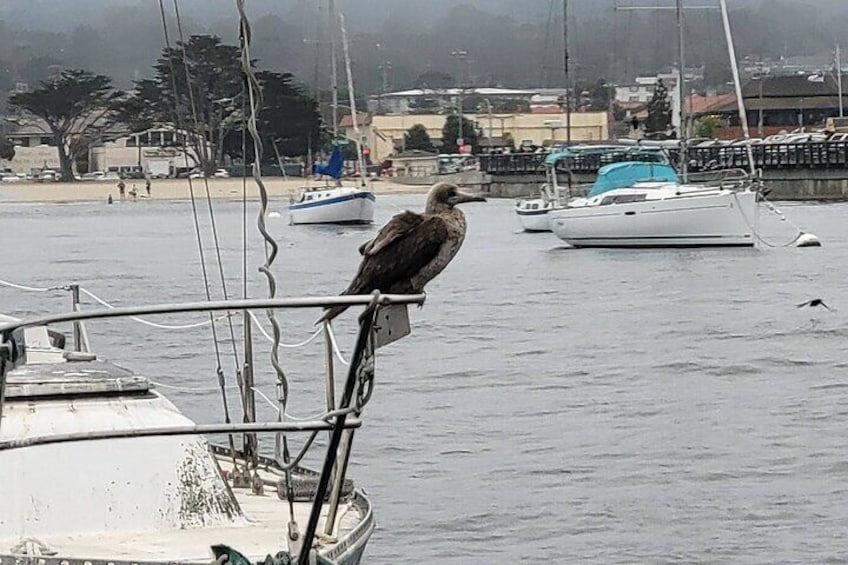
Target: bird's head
x: 444, y: 196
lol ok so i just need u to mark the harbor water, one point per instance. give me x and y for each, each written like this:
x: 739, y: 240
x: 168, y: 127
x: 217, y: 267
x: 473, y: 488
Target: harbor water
x: 551, y: 405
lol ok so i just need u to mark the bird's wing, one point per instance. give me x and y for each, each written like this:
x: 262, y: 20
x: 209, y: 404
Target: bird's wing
x: 402, y: 248
x: 807, y: 303
x: 395, y: 228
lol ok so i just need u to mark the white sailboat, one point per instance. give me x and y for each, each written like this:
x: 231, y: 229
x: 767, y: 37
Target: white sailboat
x: 641, y: 205
x: 336, y: 204
x: 333, y: 205
x: 533, y: 213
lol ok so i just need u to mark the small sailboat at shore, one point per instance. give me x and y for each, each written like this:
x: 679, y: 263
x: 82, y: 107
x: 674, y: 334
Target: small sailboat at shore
x: 332, y: 204
x: 338, y: 204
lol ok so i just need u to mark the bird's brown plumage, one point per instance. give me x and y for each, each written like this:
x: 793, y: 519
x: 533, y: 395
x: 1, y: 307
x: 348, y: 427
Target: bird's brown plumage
x: 411, y: 248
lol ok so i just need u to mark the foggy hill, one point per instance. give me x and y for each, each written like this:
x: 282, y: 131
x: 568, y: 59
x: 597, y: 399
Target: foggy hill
x: 509, y: 42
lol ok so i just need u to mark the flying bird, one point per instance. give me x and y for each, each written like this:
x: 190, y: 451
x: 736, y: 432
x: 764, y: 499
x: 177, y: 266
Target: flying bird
x: 815, y: 302
x: 411, y: 249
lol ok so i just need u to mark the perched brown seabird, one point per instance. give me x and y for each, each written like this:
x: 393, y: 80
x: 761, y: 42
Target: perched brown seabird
x: 411, y: 249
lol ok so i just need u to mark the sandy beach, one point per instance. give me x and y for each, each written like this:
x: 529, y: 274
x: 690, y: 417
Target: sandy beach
x: 173, y: 189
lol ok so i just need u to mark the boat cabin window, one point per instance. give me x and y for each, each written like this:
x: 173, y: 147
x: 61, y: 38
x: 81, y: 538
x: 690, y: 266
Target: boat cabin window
x: 622, y: 199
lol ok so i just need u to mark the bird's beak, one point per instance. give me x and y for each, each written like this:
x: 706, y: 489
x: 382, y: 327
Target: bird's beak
x: 462, y: 197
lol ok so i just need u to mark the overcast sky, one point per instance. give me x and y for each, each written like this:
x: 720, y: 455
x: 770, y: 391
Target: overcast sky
x: 514, y: 43
x: 61, y: 15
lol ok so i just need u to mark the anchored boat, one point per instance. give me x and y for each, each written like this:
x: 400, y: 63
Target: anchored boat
x: 337, y: 204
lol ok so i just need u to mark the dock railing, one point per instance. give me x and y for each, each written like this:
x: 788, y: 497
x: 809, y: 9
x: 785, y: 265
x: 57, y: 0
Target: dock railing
x: 809, y: 155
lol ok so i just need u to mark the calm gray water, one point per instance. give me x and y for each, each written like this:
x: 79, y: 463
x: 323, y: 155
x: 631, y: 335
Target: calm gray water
x: 551, y: 405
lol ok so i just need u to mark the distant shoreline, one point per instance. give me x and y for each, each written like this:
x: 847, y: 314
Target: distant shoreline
x: 172, y: 190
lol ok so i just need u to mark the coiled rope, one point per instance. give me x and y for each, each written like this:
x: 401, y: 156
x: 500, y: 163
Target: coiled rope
x: 254, y: 92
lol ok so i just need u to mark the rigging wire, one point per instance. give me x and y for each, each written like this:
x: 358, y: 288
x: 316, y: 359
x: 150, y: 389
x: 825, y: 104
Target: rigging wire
x: 212, y: 223
x: 33, y: 288
x: 545, y: 70
x: 191, y: 326
x: 148, y: 322
x: 179, y: 123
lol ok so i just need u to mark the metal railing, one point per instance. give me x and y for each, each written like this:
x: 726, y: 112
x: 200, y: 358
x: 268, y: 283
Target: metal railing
x: 340, y: 421
x: 810, y: 155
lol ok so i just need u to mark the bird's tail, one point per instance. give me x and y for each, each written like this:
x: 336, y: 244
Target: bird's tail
x: 332, y: 312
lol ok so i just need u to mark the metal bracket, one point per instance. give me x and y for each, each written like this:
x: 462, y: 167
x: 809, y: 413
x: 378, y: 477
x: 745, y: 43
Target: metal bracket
x: 12, y: 355
x: 392, y: 324
x: 13, y: 349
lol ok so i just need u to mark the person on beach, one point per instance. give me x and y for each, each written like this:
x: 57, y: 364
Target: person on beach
x: 109, y: 201
x: 147, y: 186
x: 134, y: 192
x: 122, y: 188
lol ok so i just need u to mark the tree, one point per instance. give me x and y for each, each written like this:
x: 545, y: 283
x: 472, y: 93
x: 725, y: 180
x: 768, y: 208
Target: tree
x: 7, y: 149
x: 79, y: 109
x: 289, y: 116
x: 434, y: 80
x: 659, y: 111
x: 450, y: 133
x: 706, y: 126
x: 209, y: 111
x: 600, y: 95
x: 417, y: 137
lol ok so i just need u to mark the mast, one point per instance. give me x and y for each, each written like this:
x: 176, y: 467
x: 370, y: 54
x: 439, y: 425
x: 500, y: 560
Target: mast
x: 334, y: 81
x: 566, y: 57
x: 681, y: 92
x: 352, y: 98
x: 743, y: 115
x: 839, y: 80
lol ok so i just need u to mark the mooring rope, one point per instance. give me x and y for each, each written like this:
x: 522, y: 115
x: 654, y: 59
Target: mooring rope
x: 780, y: 214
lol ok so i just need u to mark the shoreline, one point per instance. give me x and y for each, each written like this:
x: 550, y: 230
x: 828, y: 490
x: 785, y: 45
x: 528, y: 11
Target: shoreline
x: 173, y: 190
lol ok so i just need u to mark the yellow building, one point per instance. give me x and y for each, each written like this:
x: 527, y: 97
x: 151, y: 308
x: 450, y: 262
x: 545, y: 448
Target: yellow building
x: 384, y: 134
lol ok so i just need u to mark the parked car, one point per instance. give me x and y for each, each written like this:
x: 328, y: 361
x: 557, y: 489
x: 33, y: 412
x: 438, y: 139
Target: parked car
x: 221, y: 174
x: 93, y: 176
x: 48, y: 175
x: 10, y: 177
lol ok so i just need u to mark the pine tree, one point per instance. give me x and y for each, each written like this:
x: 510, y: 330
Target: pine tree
x: 417, y: 138
x: 659, y: 111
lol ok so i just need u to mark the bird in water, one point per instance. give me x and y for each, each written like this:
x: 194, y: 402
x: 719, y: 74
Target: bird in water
x: 815, y: 302
x: 411, y: 249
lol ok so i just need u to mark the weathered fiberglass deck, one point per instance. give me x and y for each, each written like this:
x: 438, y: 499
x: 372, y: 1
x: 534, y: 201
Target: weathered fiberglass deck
x: 137, y: 500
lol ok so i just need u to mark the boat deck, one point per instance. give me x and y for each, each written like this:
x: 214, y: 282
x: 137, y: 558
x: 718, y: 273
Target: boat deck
x: 262, y: 533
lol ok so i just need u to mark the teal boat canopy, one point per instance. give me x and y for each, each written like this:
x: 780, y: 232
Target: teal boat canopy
x: 627, y: 173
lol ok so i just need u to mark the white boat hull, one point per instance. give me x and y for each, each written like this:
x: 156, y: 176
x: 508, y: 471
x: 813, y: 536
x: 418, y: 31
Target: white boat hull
x: 713, y: 219
x: 533, y: 215
x: 330, y: 207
